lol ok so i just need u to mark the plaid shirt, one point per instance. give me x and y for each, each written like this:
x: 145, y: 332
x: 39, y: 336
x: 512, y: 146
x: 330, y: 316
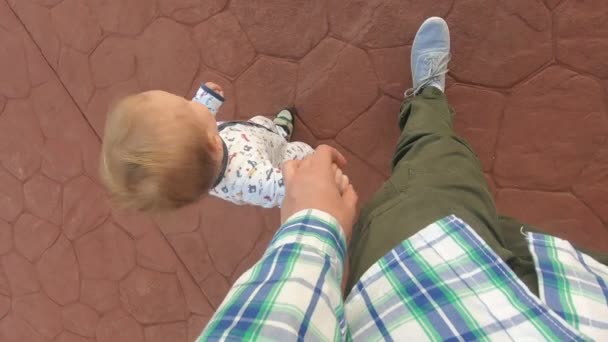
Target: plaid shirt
x: 442, y: 284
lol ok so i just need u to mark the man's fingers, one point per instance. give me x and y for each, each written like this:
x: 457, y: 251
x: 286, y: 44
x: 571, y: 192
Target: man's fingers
x: 328, y: 154
x: 345, y: 183
x: 338, y: 178
x: 350, y: 197
x: 289, y: 169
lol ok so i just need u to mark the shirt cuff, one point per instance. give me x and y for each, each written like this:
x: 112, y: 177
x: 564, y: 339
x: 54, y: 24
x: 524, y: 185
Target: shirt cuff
x: 313, y: 228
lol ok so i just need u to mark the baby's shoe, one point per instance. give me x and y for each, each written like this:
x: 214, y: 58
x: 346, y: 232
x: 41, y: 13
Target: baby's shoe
x: 284, y: 121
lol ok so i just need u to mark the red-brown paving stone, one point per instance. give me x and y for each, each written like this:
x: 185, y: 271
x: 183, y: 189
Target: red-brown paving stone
x: 15, y: 329
x: 302, y: 133
x: 478, y: 121
x: 266, y: 87
x: 223, y: 44
x: 11, y: 196
x: 152, y: 297
x: 118, y: 326
x: 70, y: 14
x: 6, y: 237
x: 5, y: 305
x: 560, y: 214
x: 104, y: 98
x: 43, y: 198
x: 91, y: 149
x: 272, y: 218
x: 40, y: 25
x: 116, y: 48
x: 127, y: 17
x: 21, y: 274
x: 552, y: 3
x: 228, y: 110
x: 161, y: 45
x: 5, y: 288
x: 335, y: 84
x: 219, y: 230
x: 61, y: 160
x: 183, y: 220
x: 113, y: 61
x: 553, y: 126
x: 80, y: 319
x: 382, y: 23
x: 102, y: 295
x: 582, y: 36
x: 14, y: 80
x: 195, y: 326
x: 373, y: 135
x: 592, y: 185
x: 174, y: 332
x: 40, y: 313
x: 18, y: 123
x: 154, y: 253
x: 260, y: 247
x: 135, y: 223
x: 195, y: 299
x: 58, y: 272
x: 215, y: 288
x: 84, y: 207
x: 480, y: 54
x: 105, y: 253
x: 57, y: 113
x: 70, y: 337
x: 33, y: 236
x: 192, y: 251
x: 8, y: 20
x: 38, y: 68
x: 191, y: 11
x: 393, y: 69
x: 282, y: 29
x: 75, y: 74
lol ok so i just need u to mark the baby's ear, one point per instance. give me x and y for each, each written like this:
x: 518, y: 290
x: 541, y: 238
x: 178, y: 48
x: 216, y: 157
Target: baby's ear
x: 217, y: 144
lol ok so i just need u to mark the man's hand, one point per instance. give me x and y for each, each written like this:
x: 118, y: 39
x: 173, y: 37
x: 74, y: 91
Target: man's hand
x: 313, y: 183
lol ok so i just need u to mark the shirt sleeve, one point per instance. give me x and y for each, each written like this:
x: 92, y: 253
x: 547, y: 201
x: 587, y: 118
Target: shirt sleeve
x: 293, y: 292
x: 265, y: 186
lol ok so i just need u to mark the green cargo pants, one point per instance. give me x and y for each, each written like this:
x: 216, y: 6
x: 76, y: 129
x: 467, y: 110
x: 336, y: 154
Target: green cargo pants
x: 435, y: 173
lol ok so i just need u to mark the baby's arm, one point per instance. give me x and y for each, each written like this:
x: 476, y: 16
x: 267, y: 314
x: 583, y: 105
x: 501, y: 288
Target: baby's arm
x: 263, y: 186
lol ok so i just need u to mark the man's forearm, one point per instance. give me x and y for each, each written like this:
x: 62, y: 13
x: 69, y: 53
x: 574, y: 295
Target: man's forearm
x: 293, y: 290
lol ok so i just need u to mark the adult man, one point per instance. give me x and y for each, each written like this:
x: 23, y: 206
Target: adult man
x: 429, y: 258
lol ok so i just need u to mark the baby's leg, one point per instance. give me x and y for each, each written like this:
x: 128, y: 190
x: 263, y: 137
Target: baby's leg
x: 265, y: 122
x: 284, y: 122
x: 296, y: 151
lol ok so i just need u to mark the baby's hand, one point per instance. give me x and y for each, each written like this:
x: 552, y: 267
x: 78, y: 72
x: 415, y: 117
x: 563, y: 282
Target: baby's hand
x: 340, y: 178
x: 215, y: 87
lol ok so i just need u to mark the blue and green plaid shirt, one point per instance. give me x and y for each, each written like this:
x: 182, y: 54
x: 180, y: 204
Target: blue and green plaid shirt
x: 442, y: 284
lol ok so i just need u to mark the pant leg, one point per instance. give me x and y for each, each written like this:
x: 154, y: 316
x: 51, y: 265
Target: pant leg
x: 434, y: 174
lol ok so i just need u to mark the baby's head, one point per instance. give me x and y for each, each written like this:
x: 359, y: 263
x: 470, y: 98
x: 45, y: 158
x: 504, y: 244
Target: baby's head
x: 160, y: 151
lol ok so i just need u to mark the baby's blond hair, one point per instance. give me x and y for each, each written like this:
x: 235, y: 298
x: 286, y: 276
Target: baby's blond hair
x: 155, y: 156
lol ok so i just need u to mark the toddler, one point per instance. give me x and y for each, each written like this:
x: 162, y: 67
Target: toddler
x: 161, y: 151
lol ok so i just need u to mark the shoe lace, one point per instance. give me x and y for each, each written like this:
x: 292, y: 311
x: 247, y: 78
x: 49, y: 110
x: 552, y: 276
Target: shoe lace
x: 436, y: 67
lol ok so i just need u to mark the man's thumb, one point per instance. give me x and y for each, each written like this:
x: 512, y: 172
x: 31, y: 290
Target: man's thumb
x: 289, y: 169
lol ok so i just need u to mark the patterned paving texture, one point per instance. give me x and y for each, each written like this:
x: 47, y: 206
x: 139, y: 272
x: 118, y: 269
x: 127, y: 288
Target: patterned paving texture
x: 528, y: 81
